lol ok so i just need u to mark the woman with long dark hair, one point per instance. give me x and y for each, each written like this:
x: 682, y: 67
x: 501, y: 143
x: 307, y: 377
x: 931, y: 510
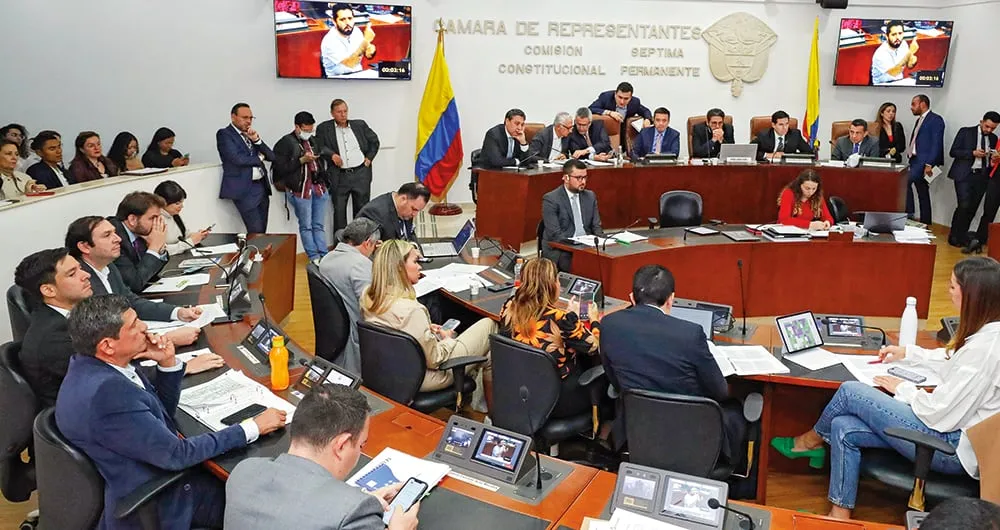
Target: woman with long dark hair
x: 15, y: 132
x: 124, y: 152
x: 801, y: 203
x: 161, y: 152
x: 178, y: 238
x: 969, y: 392
x: 90, y: 162
x: 891, y: 138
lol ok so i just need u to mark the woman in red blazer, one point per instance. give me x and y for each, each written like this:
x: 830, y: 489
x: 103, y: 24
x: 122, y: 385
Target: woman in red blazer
x: 801, y: 203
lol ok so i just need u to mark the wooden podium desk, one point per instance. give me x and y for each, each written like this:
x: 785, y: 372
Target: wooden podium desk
x: 865, y: 277
x: 993, y: 251
x: 510, y: 202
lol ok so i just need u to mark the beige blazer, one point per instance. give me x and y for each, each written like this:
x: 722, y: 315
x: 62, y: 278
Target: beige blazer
x: 412, y: 318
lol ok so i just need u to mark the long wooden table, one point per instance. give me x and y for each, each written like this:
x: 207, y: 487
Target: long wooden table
x: 510, y: 202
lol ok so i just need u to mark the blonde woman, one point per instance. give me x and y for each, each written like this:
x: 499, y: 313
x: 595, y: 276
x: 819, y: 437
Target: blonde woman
x: 391, y: 301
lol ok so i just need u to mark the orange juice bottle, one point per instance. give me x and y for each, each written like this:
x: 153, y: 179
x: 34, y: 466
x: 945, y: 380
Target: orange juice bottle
x: 278, y: 358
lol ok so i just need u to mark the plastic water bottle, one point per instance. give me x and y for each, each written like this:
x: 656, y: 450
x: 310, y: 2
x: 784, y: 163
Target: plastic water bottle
x: 908, y: 323
x: 517, y: 271
x: 278, y: 357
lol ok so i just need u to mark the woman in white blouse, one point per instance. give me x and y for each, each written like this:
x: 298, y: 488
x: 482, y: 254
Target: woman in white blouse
x: 14, y: 183
x: 969, y: 368
x: 178, y: 238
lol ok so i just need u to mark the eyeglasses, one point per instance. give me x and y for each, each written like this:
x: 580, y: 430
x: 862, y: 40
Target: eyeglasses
x: 580, y: 177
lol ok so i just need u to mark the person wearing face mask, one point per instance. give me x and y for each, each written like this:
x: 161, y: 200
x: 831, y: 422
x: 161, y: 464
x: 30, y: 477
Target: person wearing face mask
x: 124, y: 152
x: 296, y: 172
x: 89, y: 162
x: 50, y: 170
x: 161, y: 152
x: 15, y: 183
x: 801, y: 203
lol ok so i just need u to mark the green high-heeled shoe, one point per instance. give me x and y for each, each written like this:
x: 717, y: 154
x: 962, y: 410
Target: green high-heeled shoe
x: 784, y: 446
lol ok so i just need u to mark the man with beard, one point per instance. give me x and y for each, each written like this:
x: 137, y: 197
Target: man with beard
x: 893, y: 55
x: 569, y: 211
x: 344, y: 45
x: 138, y: 222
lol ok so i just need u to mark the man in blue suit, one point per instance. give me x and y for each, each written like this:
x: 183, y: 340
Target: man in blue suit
x: 926, y: 151
x: 124, y: 422
x: 588, y: 140
x: 659, y: 139
x: 244, y: 176
x: 621, y: 105
x: 971, y: 172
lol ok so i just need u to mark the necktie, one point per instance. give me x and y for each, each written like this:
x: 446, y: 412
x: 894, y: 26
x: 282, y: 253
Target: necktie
x: 656, y: 142
x: 139, y: 245
x: 577, y: 216
x: 781, y: 145
x: 981, y: 162
x: 913, y: 135
x: 587, y: 137
x: 857, y: 148
x: 510, y: 147
x: 246, y: 140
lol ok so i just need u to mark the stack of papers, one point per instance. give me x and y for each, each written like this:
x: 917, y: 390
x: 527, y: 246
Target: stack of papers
x: 813, y: 359
x: 597, y: 163
x: 454, y: 277
x: 209, y: 312
x: 227, y: 394
x: 228, y: 248
x: 746, y: 360
x: 177, y: 283
x: 593, y: 241
x: 629, y: 237
x: 912, y: 234
x: 861, y: 368
x: 391, y: 466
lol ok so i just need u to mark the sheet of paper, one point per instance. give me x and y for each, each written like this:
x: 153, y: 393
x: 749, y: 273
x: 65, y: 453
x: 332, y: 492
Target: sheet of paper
x: 814, y: 359
x: 630, y: 237
x: 598, y: 163
x: 589, y: 523
x: 198, y: 262
x: 702, y: 230
x: 725, y: 366
x: 752, y: 360
x: 177, y: 283
x: 936, y: 172
x: 391, y: 466
x: 427, y: 285
x: 227, y: 394
x: 593, y: 241
x: 862, y: 370
x: 637, y: 125
x: 832, y: 163
x: 228, y: 248
x: 462, y: 268
x: 552, y: 165
x: 626, y: 520
x: 182, y: 357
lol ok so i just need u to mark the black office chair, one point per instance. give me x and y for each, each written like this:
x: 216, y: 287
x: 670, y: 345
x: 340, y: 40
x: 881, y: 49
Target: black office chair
x: 838, y: 209
x: 18, y: 406
x: 474, y: 159
x: 330, y: 318
x: 71, y: 491
x: 675, y: 432
x: 19, y: 308
x: 680, y: 208
x: 891, y: 468
x: 526, y: 389
x: 539, y: 232
x: 393, y: 364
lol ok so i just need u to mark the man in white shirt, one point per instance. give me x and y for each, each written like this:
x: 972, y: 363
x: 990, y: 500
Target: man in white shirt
x: 347, y: 147
x: 893, y: 55
x: 344, y: 45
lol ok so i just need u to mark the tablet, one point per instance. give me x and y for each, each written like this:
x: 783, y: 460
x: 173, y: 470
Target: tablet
x: 688, y: 500
x: 319, y: 371
x: 583, y: 286
x: 458, y: 440
x: 844, y: 327
x: 799, y: 332
x: 498, y: 450
x: 675, y: 498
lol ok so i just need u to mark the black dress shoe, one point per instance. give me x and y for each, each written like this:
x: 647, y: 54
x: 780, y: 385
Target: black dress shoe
x: 955, y: 243
x: 974, y: 247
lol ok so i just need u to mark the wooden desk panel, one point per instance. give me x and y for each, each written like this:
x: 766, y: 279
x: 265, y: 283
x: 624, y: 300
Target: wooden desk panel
x: 993, y: 250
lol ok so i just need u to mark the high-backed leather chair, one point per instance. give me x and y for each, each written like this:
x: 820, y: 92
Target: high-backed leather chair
x: 330, y: 318
x: 841, y: 128
x: 474, y: 159
x: 612, y: 128
x: 18, y: 406
x: 680, y: 208
x: 393, y: 364
x: 838, y: 209
x: 19, y: 308
x: 760, y: 123
x: 531, y: 128
x: 695, y: 120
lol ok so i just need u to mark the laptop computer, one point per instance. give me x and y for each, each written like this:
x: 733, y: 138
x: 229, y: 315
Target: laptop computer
x: 703, y: 317
x: 799, y: 332
x: 746, y: 152
x: 453, y: 247
x: 319, y: 371
x: 884, y: 222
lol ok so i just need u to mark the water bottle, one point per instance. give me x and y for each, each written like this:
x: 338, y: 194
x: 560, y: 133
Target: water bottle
x: 278, y: 357
x: 517, y: 271
x: 908, y: 323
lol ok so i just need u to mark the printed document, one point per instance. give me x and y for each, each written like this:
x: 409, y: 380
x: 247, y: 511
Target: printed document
x: 227, y: 394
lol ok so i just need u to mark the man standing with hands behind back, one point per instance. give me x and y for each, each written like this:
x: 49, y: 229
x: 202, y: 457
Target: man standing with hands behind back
x: 344, y: 45
x: 348, y: 147
x: 244, y: 177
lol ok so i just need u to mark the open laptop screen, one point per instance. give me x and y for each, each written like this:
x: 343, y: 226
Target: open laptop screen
x: 464, y: 235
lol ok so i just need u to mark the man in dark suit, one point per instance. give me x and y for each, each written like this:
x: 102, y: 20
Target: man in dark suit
x: 589, y: 140
x: 621, y: 105
x: 660, y: 139
x: 50, y: 170
x: 707, y: 138
x: 244, y: 176
x: 114, y: 414
x: 550, y: 143
x: 926, y: 151
x: 504, y: 144
x: 348, y: 148
x: 643, y: 347
x: 139, y: 224
x: 395, y: 211
x: 971, y: 172
x: 780, y: 139
x: 856, y: 142
x: 569, y: 211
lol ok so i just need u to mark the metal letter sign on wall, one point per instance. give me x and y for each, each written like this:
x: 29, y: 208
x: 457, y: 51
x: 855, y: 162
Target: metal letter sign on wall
x: 738, y: 48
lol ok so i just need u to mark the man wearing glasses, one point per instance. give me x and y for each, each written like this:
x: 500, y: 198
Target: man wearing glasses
x: 569, y: 211
x: 550, y: 143
x: 244, y: 175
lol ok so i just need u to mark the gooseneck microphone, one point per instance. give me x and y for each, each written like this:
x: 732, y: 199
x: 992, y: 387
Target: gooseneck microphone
x: 860, y: 326
x: 525, y: 394
x: 520, y: 163
x: 604, y: 245
x: 743, y: 300
x: 746, y: 522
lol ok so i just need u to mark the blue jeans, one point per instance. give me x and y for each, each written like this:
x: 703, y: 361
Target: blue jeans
x: 311, y: 213
x: 854, y: 419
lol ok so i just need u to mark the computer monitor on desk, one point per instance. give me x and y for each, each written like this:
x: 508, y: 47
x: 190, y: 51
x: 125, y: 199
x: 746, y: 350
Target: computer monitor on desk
x: 884, y: 222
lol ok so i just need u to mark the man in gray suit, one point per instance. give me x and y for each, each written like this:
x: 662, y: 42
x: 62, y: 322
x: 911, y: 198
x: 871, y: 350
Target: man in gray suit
x: 550, y: 143
x: 857, y: 142
x: 304, y: 488
x: 348, y: 148
x: 349, y: 269
x: 569, y: 211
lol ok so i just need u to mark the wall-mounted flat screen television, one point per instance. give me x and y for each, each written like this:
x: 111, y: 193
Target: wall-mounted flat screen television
x: 339, y: 40
x: 900, y: 52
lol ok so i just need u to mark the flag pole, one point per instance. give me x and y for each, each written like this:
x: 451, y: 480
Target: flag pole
x: 443, y: 207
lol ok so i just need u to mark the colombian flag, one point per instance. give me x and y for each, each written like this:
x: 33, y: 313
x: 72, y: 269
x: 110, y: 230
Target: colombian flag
x: 810, y: 125
x: 439, y: 134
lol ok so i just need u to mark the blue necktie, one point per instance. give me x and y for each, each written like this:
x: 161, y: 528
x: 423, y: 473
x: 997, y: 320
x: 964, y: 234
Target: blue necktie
x: 656, y: 142
x: 856, y: 148
x: 510, y: 147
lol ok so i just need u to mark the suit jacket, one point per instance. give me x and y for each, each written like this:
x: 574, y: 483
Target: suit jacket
x: 669, y: 144
x: 284, y: 492
x: 130, y: 435
x: 794, y: 143
x: 83, y: 171
x: 45, y: 352
x: 326, y: 141
x: 843, y: 148
x: 541, y: 143
x: 598, y: 137
x: 701, y: 140
x: 287, y: 169
x: 898, y: 141
x: 382, y: 210
x: 557, y: 214
x: 350, y: 272
x: 606, y: 101
x: 930, y: 143
x: 239, y: 162
x: 146, y: 309
x: 44, y: 174
x: 961, y: 151
x: 494, y: 154
x: 135, y: 270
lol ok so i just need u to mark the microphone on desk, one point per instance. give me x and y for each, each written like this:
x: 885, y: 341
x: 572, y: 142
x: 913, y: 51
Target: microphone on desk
x: 604, y: 246
x: 743, y: 300
x: 525, y: 394
x: 860, y: 326
x: 746, y: 522
x: 520, y: 163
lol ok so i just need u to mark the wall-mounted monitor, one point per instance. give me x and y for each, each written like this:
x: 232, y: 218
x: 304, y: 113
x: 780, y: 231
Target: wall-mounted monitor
x: 898, y: 52
x: 340, y: 40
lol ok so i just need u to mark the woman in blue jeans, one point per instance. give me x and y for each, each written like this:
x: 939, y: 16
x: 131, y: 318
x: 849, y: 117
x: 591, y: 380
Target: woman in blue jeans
x: 969, y: 367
